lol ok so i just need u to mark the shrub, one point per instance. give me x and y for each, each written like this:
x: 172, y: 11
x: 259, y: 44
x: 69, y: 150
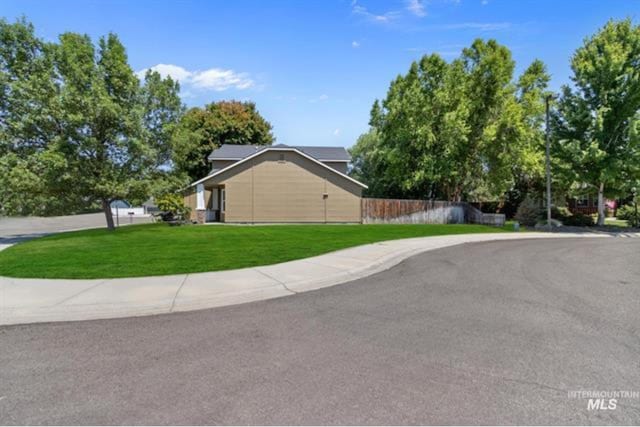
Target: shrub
x: 628, y: 212
x: 560, y: 213
x: 173, y: 206
x: 528, y: 212
x: 579, y: 220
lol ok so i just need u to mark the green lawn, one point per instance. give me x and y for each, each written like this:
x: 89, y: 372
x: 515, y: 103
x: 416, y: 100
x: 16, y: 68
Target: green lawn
x: 616, y: 222
x: 157, y: 249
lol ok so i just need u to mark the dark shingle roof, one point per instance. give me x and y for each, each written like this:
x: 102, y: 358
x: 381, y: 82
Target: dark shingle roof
x: 232, y: 151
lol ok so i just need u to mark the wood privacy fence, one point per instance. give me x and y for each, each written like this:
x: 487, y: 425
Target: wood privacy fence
x: 403, y: 211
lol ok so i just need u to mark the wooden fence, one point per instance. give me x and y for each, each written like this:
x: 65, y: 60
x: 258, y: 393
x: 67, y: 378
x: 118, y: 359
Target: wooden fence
x: 401, y: 211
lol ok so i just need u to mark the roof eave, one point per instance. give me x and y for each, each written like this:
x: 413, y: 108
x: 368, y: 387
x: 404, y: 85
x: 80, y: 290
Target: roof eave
x: 257, y: 153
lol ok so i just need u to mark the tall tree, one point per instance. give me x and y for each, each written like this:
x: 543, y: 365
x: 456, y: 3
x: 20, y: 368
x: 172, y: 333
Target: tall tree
x: 31, y: 172
x: 76, y: 127
x: 455, y: 130
x: 104, y: 142
x: 593, y: 124
x: 162, y: 112
x: 202, y: 130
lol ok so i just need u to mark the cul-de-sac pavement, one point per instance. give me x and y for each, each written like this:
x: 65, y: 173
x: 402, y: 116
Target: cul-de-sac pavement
x: 481, y: 333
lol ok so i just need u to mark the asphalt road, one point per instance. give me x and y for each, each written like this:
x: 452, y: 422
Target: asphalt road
x: 489, y: 333
x: 17, y: 229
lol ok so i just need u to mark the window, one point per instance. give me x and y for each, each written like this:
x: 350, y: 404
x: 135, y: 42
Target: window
x: 582, y: 201
x: 223, y: 200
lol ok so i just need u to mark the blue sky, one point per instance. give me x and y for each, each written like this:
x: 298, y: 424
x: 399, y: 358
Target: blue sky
x: 315, y: 67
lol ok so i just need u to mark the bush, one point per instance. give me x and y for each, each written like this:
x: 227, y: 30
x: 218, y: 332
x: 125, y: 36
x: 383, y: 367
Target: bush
x: 528, y: 212
x: 628, y: 213
x: 579, y: 220
x: 173, y: 207
x: 560, y: 213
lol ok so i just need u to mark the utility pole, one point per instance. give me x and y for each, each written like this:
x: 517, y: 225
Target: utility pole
x: 635, y: 222
x: 548, y: 159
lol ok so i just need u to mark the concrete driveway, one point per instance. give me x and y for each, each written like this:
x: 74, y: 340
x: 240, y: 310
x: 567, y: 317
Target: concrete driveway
x: 483, y: 333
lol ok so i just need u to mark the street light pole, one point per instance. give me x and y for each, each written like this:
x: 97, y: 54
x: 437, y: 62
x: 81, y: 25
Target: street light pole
x: 548, y: 159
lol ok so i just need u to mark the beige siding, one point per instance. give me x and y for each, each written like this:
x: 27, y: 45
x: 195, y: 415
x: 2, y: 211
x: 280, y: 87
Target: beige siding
x: 342, y: 206
x: 339, y: 166
x: 221, y: 164
x: 190, y: 201
x: 266, y: 189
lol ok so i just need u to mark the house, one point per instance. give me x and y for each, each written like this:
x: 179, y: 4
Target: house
x: 587, y: 204
x: 280, y: 183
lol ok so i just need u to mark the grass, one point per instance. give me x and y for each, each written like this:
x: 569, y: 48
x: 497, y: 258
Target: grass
x: 509, y: 226
x: 157, y: 249
x: 616, y: 222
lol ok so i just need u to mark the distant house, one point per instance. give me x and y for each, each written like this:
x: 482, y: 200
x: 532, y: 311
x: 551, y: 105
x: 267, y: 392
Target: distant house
x: 281, y: 183
x: 587, y: 204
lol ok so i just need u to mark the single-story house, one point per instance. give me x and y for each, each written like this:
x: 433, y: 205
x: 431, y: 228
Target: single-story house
x: 280, y: 183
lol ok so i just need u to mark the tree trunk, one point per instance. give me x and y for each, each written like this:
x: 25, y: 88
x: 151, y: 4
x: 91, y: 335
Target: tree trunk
x: 107, y: 214
x: 601, y: 204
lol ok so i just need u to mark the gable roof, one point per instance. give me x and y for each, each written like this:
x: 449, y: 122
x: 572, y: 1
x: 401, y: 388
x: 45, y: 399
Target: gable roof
x: 239, y: 152
x: 266, y: 149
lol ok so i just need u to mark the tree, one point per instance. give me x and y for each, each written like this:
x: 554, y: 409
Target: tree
x: 162, y: 112
x: 202, y: 130
x: 455, y: 130
x: 104, y: 142
x: 77, y: 128
x: 31, y: 172
x: 594, y: 122
x: 369, y: 165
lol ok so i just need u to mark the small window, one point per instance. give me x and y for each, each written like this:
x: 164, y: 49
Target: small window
x: 223, y: 200
x: 582, y: 201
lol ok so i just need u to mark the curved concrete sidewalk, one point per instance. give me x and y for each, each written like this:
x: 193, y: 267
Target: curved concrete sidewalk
x: 49, y: 300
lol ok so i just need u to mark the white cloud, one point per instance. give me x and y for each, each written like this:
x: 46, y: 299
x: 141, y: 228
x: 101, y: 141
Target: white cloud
x: 336, y: 132
x: 384, y: 18
x: 355, y: 44
x: 321, y: 98
x: 174, y: 71
x: 416, y: 7
x: 484, y: 2
x: 216, y: 79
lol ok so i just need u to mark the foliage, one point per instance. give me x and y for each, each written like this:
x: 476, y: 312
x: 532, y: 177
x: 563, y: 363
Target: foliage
x: 201, y: 130
x: 579, y: 220
x: 174, y: 205
x: 596, y: 122
x: 455, y: 130
x: 77, y: 127
x: 154, y: 249
x: 628, y: 213
x: 163, y: 110
x: 529, y: 212
x: 560, y: 213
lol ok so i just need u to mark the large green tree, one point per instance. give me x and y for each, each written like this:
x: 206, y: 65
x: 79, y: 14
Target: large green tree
x: 455, y: 130
x: 202, y: 130
x: 77, y: 127
x: 31, y: 172
x: 595, y: 121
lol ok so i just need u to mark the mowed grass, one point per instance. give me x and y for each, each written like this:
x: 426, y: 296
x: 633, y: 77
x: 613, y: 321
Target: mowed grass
x: 157, y: 249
